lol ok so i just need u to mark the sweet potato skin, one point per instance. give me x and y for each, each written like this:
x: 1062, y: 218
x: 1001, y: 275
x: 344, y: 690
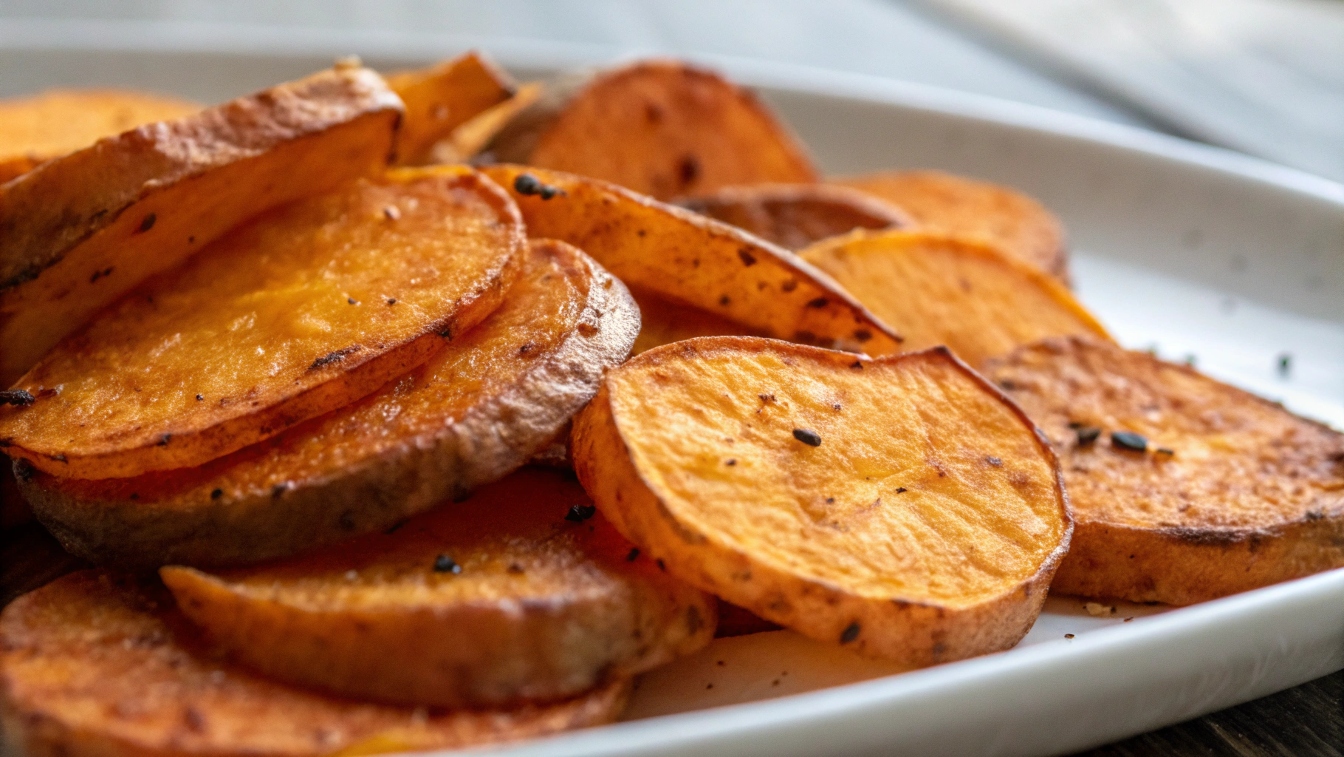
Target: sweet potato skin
x: 1233, y: 492
x: 794, y: 216
x: 342, y: 292
x: 539, y: 604
x: 99, y: 664
x: 691, y: 260
x: 443, y: 97
x: 773, y: 558
x: 81, y: 230
x: 477, y: 410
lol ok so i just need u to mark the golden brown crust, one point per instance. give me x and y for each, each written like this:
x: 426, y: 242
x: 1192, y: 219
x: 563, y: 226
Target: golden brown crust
x: 794, y: 216
x: 1232, y: 492
x: 102, y: 665
x: 443, y: 97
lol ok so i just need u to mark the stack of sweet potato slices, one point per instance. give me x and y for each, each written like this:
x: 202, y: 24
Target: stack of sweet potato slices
x: 284, y: 369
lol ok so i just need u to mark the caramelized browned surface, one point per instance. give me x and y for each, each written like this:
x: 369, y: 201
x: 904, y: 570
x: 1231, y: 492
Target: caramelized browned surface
x: 1232, y: 492
x: 796, y: 215
x: 443, y: 97
x: 477, y: 410
x: 101, y: 665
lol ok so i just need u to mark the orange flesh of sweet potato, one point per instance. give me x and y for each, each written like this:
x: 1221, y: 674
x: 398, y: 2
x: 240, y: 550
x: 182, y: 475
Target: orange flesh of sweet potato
x: 691, y: 260
x: 80, y: 231
x: 299, y: 312
x: 101, y: 665
x: 441, y: 98
x: 1231, y: 493
x: 666, y: 129
x: 938, y: 289
x: 954, y: 204
x: 475, y: 411
x: 901, y: 505
x: 794, y: 216
x: 518, y: 593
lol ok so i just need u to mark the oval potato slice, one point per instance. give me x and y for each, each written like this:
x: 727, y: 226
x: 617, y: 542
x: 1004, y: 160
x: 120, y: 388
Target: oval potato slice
x: 794, y: 216
x: 940, y: 289
x: 941, y: 201
x: 81, y: 230
x: 295, y: 314
x: 443, y: 97
x: 1230, y: 492
x: 901, y: 505
x: 691, y: 260
x: 98, y: 664
x: 477, y: 410
x: 660, y: 128
x: 518, y: 593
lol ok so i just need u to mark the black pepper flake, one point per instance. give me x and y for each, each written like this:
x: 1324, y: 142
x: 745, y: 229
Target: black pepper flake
x: 352, y: 300
x: 200, y: 398
x: 857, y: 365
x: 391, y: 212
x: 446, y: 334
x: 807, y: 436
x: 1285, y: 365
x: 1087, y: 435
x: 830, y: 500
x: 994, y: 461
x: 445, y: 564
x: 100, y: 274
x: 580, y: 513
x: 730, y: 462
x: 391, y: 300
x: 901, y: 490
x: 216, y: 494
x: 19, y: 397
x: 850, y: 633
x: 333, y: 357
x: 819, y: 302
x: 163, y: 440
x: 747, y: 258
x: 58, y: 457
x: 661, y: 565
x: 147, y: 223
x: 279, y: 489
x: 527, y: 184
x: 634, y: 554
x: 1129, y: 440
x: 862, y: 335
x: 1169, y: 452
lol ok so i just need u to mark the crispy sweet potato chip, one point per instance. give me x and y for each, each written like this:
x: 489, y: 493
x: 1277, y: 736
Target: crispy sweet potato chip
x: 477, y: 410
x: 900, y: 505
x: 53, y: 123
x: 442, y: 98
x: 796, y: 215
x: 518, y: 593
x: 101, y: 665
x: 297, y: 313
x: 661, y: 128
x: 966, y: 207
x: 940, y: 289
x: 80, y: 231
x: 691, y: 260
x: 1184, y: 488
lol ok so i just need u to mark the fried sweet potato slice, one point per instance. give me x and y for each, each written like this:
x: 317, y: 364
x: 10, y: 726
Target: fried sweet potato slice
x: 1184, y: 489
x: 442, y: 98
x: 687, y: 259
x: 661, y: 128
x: 59, y: 121
x: 794, y: 216
x: 100, y: 664
x: 82, y: 230
x: 900, y: 505
x: 477, y: 410
x: 518, y: 593
x: 472, y: 137
x: 294, y: 314
x: 940, y: 289
x: 958, y: 205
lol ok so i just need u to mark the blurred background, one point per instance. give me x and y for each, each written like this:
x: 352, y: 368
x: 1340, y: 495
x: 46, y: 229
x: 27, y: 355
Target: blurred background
x: 1265, y: 77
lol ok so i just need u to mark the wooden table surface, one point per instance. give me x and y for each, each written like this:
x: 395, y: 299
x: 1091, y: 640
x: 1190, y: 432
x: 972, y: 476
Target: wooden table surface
x: 1306, y: 721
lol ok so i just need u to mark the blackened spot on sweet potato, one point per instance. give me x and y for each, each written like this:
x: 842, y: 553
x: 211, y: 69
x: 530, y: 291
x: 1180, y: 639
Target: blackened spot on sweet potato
x: 688, y: 169
x: 147, y: 223
x: 333, y: 357
x: 100, y: 274
x: 19, y: 397
x: 819, y: 302
x: 850, y: 633
x: 747, y: 258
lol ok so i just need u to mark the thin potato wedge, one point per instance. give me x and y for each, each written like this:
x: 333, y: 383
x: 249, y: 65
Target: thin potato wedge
x: 687, y: 259
x: 518, y: 593
x: 1221, y: 491
x: 98, y: 664
x: 477, y: 410
x: 80, y: 231
x: 292, y: 315
x: 794, y: 216
x: 660, y: 128
x: 958, y: 205
x: 442, y: 98
x: 59, y: 121
x: 900, y: 505
x: 940, y: 289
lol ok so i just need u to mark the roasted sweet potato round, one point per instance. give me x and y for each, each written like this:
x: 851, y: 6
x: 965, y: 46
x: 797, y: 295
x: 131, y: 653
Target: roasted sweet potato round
x: 1184, y: 489
x: 102, y: 665
x: 293, y: 315
x: 966, y: 207
x: 518, y: 593
x: 901, y: 505
x: 477, y: 410
x: 796, y: 215
x: 691, y: 260
x: 443, y: 97
x: 940, y: 289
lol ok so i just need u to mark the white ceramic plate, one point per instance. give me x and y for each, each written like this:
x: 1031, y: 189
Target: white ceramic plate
x: 1190, y: 250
